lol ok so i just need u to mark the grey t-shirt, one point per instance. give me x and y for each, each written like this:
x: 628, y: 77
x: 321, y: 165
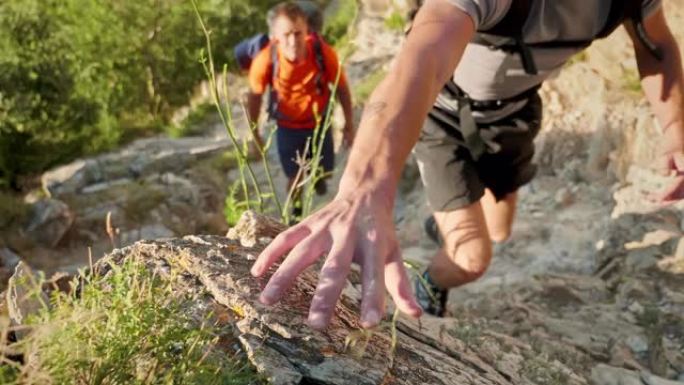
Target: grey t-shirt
x: 487, y: 74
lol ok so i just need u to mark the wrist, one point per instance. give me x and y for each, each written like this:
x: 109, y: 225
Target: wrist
x: 368, y: 180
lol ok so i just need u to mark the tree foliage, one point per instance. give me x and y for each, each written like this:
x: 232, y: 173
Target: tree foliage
x: 80, y: 76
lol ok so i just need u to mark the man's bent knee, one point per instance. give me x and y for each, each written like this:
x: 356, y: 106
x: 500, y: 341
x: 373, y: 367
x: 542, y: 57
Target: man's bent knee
x: 473, y: 264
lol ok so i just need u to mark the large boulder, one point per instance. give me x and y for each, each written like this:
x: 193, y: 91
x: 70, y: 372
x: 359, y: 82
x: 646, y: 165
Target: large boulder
x: 141, y: 158
x: 49, y: 220
x: 286, y: 351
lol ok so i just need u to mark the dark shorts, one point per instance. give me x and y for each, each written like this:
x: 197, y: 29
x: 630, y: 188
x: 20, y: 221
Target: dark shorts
x: 292, y: 142
x: 454, y: 180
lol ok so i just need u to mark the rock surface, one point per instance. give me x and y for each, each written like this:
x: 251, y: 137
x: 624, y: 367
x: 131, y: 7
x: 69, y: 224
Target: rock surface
x: 280, y: 345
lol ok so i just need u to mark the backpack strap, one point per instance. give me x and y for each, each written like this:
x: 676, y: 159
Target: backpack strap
x: 631, y: 10
x: 272, y: 106
x: 511, y: 25
x: 513, y: 21
x: 619, y: 9
x: 320, y: 63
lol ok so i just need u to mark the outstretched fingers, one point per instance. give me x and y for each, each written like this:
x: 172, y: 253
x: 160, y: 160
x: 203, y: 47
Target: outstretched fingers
x: 399, y: 285
x: 333, y: 278
x: 373, y: 283
x: 301, y: 257
x: 283, y: 243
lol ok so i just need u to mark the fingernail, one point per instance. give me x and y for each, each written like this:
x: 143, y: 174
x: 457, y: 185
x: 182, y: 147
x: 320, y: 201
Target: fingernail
x: 371, y: 318
x: 316, y: 321
x: 255, y: 271
x: 266, y: 298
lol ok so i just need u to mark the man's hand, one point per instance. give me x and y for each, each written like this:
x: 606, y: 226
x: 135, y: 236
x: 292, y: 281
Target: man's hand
x: 671, y: 163
x: 356, y: 228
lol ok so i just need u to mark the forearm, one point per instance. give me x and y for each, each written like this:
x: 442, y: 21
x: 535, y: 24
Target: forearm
x: 393, y: 117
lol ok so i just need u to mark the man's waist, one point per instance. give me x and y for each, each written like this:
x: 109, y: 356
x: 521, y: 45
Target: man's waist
x: 456, y: 93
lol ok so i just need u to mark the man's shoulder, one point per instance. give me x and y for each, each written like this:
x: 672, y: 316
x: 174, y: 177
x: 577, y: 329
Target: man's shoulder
x: 262, y: 60
x: 260, y: 70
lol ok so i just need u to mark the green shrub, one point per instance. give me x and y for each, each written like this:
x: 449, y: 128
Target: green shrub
x: 363, y: 90
x: 81, y: 76
x: 13, y: 210
x: 395, y: 21
x: 128, y: 327
x: 337, y: 25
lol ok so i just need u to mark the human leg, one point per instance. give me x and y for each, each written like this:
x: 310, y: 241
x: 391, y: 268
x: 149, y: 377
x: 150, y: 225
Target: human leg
x: 499, y: 215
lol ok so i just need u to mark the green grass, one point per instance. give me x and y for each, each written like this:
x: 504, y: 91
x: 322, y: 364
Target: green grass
x: 337, y: 27
x: 395, y: 21
x: 195, y: 123
x: 580, y: 57
x: 141, y: 199
x: 631, y: 82
x: 362, y: 91
x: 540, y: 371
x: 127, y: 327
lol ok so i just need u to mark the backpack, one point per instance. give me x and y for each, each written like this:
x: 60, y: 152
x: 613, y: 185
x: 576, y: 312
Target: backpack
x: 511, y: 26
x: 246, y: 50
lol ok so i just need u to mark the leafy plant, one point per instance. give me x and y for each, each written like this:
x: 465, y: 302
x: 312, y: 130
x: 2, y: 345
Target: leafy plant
x: 337, y: 26
x: 79, y: 77
x: 363, y: 90
x: 129, y: 326
x: 395, y: 21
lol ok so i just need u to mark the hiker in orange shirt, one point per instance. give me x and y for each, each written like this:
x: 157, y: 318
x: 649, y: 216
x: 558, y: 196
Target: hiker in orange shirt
x: 299, y: 67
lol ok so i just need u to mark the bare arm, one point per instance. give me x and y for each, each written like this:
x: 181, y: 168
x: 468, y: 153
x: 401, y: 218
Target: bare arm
x: 391, y: 122
x: 358, y: 224
x: 663, y: 84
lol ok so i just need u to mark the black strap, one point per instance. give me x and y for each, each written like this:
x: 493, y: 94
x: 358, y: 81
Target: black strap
x: 637, y: 18
x: 466, y: 106
x: 511, y: 25
x: 320, y: 63
x: 273, y: 94
x: 619, y: 9
x: 457, y: 92
x: 513, y: 22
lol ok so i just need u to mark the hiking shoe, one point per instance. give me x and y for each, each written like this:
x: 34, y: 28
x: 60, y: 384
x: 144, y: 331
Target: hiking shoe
x: 430, y: 297
x: 432, y: 230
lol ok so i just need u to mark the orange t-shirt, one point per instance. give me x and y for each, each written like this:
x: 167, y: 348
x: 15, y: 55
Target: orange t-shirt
x: 296, y: 84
